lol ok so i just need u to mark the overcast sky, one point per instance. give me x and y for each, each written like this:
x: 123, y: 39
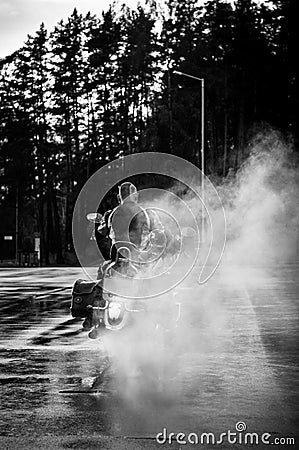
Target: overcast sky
x: 18, y: 18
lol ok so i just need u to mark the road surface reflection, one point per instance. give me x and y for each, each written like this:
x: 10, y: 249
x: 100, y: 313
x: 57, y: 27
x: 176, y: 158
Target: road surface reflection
x: 240, y: 365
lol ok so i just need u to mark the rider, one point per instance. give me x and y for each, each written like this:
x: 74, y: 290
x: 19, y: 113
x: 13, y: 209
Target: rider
x: 128, y: 225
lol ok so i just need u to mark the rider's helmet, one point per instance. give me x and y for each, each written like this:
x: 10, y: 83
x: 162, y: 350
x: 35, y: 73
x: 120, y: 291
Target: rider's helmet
x: 128, y: 191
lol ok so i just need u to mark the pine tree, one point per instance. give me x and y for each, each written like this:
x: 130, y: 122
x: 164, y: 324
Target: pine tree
x: 28, y: 88
x: 70, y: 104
x: 285, y: 87
x: 136, y: 69
x: 179, y: 37
x: 103, y: 45
x: 16, y: 148
x: 217, y: 39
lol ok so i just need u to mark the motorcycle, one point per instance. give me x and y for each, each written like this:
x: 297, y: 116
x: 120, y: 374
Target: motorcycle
x: 148, y: 324
x: 103, y: 310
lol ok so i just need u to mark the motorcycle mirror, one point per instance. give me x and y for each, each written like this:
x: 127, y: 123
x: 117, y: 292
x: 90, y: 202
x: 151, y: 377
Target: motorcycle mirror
x: 94, y: 217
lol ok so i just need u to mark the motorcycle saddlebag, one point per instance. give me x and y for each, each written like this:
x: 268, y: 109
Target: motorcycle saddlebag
x: 85, y: 293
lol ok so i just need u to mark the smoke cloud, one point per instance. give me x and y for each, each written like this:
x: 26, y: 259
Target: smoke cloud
x: 261, y: 204
x: 261, y: 208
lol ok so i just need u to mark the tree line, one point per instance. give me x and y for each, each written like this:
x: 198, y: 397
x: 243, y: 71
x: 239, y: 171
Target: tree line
x: 98, y: 88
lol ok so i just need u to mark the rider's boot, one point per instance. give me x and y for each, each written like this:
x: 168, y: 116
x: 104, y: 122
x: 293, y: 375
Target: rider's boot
x: 94, y: 333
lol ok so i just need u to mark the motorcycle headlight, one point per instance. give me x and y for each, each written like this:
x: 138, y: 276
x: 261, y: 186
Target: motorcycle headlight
x: 115, y: 310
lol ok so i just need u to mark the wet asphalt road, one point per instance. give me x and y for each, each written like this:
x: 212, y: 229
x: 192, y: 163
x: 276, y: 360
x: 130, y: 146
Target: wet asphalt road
x: 240, y: 364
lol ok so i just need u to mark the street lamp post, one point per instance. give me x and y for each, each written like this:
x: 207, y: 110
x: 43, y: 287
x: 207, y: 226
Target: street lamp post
x: 202, y: 148
x: 202, y: 81
x: 17, y: 225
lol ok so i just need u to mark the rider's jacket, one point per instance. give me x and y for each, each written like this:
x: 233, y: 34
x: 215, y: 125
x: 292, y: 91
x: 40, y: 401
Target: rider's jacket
x: 129, y: 222
x: 140, y: 221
